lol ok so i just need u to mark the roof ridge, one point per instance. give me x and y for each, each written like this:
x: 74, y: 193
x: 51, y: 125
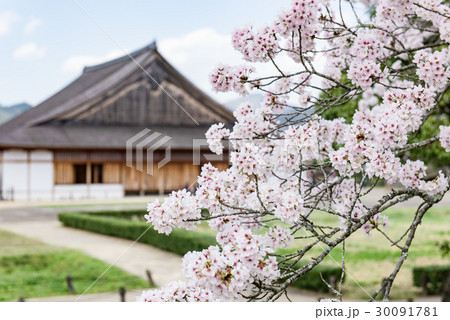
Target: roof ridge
x: 149, y: 47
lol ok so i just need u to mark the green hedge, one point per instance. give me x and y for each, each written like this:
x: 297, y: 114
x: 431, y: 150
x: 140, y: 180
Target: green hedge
x: 313, y: 281
x: 130, y: 225
x: 123, y: 214
x: 436, y: 277
x: 179, y: 241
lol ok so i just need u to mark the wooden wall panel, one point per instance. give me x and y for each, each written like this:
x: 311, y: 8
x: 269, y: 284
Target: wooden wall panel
x: 132, y: 178
x: 180, y: 175
x: 173, y: 172
x: 222, y: 166
x: 190, y: 174
x: 111, y: 173
x: 63, y: 172
x: 173, y: 176
x: 155, y: 182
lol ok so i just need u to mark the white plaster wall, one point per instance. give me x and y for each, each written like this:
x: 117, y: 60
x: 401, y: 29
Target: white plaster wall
x: 41, y: 180
x: 14, y: 155
x: 106, y: 191
x: 83, y: 191
x: 41, y: 155
x: 70, y: 192
x: 27, y: 181
x: 14, y: 180
x: 35, y: 180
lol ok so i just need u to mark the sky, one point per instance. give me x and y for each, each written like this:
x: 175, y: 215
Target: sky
x: 45, y: 44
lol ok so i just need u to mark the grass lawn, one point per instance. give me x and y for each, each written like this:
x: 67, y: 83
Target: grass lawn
x: 370, y: 259
x: 29, y: 268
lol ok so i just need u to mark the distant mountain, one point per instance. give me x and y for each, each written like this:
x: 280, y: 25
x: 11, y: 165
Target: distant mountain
x: 4, y: 116
x: 9, y: 112
x: 252, y: 99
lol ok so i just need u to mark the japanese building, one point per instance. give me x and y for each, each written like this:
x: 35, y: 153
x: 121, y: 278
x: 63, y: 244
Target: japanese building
x: 132, y: 125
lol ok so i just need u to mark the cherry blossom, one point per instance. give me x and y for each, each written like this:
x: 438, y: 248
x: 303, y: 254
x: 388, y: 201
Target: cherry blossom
x: 261, y: 46
x: 374, y: 222
x: 364, y: 72
x: 433, y: 67
x: 215, y: 134
x: 226, y: 78
x: 178, y: 291
x: 444, y: 137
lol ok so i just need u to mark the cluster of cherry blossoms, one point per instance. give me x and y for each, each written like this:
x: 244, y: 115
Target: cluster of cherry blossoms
x: 214, y: 137
x: 258, y: 46
x: 433, y: 68
x: 174, y: 213
x: 363, y: 73
x: 226, y: 78
x: 177, y: 291
x: 300, y: 21
x: 374, y: 134
x: 390, y: 14
x: 289, y: 162
x: 221, y: 273
x: 314, y: 139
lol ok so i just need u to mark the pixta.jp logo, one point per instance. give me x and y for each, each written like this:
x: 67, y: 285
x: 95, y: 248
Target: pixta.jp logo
x: 146, y: 143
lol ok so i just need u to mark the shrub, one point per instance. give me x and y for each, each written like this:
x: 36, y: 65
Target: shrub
x: 113, y: 224
x: 124, y: 214
x: 435, y: 276
x: 313, y: 281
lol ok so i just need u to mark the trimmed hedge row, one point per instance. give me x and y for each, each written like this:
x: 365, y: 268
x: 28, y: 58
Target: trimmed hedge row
x: 130, y: 225
x: 433, y: 277
x: 179, y: 241
x: 123, y: 214
x: 313, y: 281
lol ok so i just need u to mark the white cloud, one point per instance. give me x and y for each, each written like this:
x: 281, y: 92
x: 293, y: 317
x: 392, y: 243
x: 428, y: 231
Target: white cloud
x: 29, y: 51
x: 197, y: 53
x: 7, y: 19
x: 31, y: 25
x: 74, y: 65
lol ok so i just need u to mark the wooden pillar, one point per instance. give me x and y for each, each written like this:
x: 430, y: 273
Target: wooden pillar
x: 54, y: 175
x: 1, y: 175
x: 28, y: 175
x: 122, y: 176
x: 88, y: 175
x: 142, y: 182
x: 122, y: 173
x: 161, y: 179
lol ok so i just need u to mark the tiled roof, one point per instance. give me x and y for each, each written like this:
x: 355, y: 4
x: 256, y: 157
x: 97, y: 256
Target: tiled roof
x: 41, y: 126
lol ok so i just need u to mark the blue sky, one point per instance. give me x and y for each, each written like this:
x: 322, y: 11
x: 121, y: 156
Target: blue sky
x: 44, y: 43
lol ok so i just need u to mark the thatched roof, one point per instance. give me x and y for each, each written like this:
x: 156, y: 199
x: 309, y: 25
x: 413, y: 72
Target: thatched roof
x: 111, y: 102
